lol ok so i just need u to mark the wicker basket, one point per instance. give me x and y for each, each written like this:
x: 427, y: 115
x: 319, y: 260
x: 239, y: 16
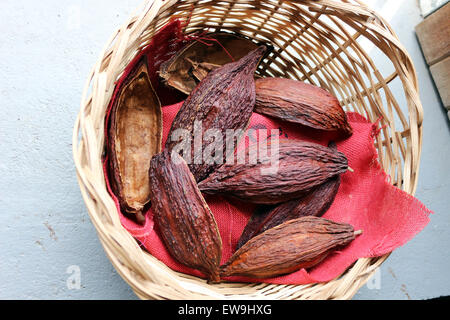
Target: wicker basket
x: 323, y: 42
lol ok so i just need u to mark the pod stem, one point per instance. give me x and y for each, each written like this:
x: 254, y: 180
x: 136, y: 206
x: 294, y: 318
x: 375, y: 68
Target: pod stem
x: 358, y: 232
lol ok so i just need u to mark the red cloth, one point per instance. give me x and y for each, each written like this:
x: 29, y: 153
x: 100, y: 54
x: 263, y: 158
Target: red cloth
x: 388, y: 216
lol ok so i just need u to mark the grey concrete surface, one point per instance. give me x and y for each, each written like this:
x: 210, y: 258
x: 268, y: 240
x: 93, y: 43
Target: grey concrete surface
x: 47, y: 48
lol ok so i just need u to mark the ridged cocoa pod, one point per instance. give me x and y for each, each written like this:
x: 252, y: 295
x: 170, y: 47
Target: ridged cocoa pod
x: 134, y: 136
x: 300, y: 243
x: 209, y: 52
x: 223, y: 100
x: 185, y: 222
x: 299, y: 167
x: 299, y: 102
x: 315, y: 203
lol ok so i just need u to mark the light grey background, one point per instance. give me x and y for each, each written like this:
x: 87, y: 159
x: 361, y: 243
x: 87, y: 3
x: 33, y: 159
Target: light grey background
x: 47, y: 48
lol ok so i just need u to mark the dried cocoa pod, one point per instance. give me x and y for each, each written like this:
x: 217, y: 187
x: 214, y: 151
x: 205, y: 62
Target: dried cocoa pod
x: 217, y: 48
x: 184, y: 220
x: 200, y: 70
x: 299, y: 243
x: 315, y: 203
x: 297, y: 169
x: 223, y: 100
x: 134, y: 136
x: 302, y: 103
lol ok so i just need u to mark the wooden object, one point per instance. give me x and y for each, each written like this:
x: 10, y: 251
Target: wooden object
x: 434, y: 35
x: 441, y: 76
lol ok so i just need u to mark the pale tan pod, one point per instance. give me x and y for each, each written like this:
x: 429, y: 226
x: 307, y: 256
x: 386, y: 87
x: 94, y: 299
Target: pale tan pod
x: 135, y: 135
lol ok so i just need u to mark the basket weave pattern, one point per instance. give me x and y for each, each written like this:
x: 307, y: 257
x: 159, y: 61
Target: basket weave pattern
x: 322, y: 42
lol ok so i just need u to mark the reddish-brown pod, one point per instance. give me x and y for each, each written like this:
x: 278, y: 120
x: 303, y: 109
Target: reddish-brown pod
x: 134, y: 136
x: 303, y: 103
x: 222, y: 101
x: 184, y: 220
x: 314, y: 203
x: 293, y: 171
x: 299, y: 243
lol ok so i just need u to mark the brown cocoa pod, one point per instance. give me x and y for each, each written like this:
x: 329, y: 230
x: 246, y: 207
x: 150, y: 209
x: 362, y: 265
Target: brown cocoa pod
x: 209, y: 51
x: 315, y: 203
x: 299, y: 167
x: 223, y: 100
x: 134, y: 136
x: 302, y: 103
x: 299, y: 243
x: 184, y: 220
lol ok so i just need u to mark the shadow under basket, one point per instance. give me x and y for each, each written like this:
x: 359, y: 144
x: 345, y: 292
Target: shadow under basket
x: 331, y: 44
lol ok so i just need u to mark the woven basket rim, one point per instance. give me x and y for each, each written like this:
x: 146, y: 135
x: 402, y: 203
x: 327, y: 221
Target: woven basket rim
x: 149, y: 277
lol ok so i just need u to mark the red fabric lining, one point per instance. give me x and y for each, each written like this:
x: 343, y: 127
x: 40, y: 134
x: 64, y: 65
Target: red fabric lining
x: 388, y: 216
